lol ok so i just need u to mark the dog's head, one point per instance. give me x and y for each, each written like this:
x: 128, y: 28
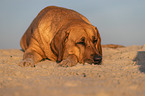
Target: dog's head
x: 83, y: 41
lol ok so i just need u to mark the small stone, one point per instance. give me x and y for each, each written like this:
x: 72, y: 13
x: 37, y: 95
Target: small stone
x: 84, y: 75
x: 77, y: 74
x: 99, y: 75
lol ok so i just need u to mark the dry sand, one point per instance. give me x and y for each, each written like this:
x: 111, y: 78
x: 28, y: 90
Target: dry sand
x: 122, y: 73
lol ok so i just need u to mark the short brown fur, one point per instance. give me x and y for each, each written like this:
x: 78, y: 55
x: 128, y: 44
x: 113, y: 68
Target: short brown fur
x: 56, y: 34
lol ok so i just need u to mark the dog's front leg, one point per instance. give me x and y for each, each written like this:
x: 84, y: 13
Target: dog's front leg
x: 30, y: 58
x: 70, y: 61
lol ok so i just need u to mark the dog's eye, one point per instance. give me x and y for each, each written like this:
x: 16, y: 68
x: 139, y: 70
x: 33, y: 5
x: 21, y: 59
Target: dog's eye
x: 82, y: 43
x: 95, y: 41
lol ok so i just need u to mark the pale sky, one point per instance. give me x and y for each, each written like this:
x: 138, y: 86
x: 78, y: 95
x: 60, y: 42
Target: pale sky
x: 118, y: 21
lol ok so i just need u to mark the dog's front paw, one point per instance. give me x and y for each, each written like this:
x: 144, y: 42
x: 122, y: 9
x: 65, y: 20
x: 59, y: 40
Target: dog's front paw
x: 27, y: 62
x: 69, y: 62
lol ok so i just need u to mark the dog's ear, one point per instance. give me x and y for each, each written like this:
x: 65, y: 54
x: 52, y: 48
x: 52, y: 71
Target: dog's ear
x: 98, y: 45
x: 58, y: 44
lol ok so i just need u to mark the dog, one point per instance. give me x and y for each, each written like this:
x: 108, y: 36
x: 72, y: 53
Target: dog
x: 61, y: 35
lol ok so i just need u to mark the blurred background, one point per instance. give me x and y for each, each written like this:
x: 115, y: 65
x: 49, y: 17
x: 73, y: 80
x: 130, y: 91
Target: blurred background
x: 119, y: 21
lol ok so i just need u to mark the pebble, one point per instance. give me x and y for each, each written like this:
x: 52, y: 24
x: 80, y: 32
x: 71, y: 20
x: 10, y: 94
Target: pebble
x: 84, y: 75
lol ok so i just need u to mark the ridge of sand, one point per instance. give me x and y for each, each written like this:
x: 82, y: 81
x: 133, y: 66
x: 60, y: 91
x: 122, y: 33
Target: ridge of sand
x: 122, y: 73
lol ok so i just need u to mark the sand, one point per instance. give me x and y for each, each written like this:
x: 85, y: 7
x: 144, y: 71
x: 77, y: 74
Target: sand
x: 122, y: 73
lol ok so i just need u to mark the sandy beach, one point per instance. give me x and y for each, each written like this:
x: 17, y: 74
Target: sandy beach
x: 122, y: 73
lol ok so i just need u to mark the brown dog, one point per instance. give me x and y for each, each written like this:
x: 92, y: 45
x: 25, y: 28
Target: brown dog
x: 61, y: 35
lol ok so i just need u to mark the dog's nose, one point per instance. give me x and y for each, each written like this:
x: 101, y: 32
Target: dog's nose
x: 97, y: 59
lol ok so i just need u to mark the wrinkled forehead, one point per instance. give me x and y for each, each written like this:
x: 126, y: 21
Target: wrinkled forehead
x: 88, y: 33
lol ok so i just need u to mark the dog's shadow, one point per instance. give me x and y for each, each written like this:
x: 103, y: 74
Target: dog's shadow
x: 140, y: 60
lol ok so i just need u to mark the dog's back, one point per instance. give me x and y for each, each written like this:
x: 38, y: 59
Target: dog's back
x: 51, y: 17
